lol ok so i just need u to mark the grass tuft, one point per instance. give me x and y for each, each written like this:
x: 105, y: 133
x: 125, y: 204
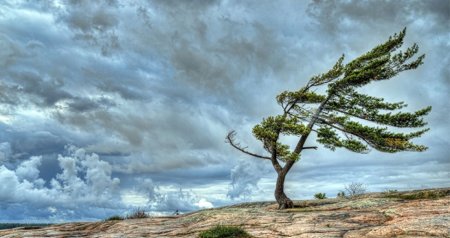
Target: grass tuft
x: 224, y: 232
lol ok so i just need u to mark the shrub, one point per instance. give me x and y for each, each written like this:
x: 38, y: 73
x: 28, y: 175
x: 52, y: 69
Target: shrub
x: 425, y: 195
x: 115, y: 218
x: 341, y: 194
x: 416, y: 195
x: 355, y: 189
x: 224, y: 232
x: 320, y: 195
x: 137, y: 214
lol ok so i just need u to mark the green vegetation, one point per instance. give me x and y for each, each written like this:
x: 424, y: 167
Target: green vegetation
x: 136, y: 214
x: 341, y: 194
x: 332, y: 106
x: 224, y: 232
x: 320, y: 196
x: 115, y: 218
x: 431, y: 194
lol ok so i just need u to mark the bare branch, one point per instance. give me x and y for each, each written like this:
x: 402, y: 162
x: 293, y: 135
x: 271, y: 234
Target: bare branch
x: 230, y: 139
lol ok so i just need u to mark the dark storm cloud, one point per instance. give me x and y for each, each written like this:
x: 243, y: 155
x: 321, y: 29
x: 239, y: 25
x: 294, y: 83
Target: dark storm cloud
x: 44, y: 92
x: 85, y: 104
x: 335, y: 16
x: 203, y: 61
x: 149, y: 89
x: 93, y: 22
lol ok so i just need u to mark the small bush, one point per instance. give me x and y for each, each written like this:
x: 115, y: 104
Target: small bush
x: 115, y: 218
x: 224, y: 232
x: 320, y: 195
x: 341, y: 194
x: 416, y: 195
x: 138, y: 214
x: 355, y: 189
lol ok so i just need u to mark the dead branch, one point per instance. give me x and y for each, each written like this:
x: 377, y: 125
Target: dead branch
x: 231, y: 140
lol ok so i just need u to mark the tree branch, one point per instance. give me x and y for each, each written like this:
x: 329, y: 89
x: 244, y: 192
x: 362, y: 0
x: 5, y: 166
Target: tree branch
x: 231, y: 141
x: 345, y: 132
x: 302, y: 140
x: 309, y: 147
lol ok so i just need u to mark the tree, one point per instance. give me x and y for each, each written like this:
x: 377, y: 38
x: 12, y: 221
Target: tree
x: 355, y: 189
x: 320, y: 196
x: 341, y: 117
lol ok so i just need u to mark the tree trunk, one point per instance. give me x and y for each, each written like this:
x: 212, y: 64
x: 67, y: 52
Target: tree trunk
x: 282, y: 200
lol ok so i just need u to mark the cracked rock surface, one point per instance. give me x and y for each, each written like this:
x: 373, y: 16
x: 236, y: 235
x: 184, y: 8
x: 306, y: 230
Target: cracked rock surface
x: 424, y: 213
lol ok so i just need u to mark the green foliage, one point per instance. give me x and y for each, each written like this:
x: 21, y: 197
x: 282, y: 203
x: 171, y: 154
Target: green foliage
x: 320, y: 196
x: 338, y: 120
x: 224, y: 232
x: 341, y: 116
x: 330, y: 139
x: 270, y: 128
x: 417, y: 195
x: 332, y: 74
x: 378, y: 64
x: 345, y: 103
x: 115, y: 218
x: 289, y: 98
x: 340, y: 194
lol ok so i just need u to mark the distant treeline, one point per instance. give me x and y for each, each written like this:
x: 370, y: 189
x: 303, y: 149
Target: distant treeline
x: 25, y: 225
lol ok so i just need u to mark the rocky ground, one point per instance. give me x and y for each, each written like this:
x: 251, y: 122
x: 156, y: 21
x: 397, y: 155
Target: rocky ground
x: 424, y: 213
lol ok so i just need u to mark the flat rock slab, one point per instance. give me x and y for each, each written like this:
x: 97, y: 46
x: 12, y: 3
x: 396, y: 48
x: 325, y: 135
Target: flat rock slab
x: 405, y: 214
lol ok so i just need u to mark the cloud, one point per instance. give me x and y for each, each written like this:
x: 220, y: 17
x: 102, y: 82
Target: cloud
x: 92, y: 22
x: 5, y: 152
x: 84, y: 189
x: 149, y: 89
x: 43, y: 92
x: 244, y: 178
x: 337, y: 16
x: 29, y: 170
x: 180, y: 200
x: 12, y: 51
x: 67, y: 192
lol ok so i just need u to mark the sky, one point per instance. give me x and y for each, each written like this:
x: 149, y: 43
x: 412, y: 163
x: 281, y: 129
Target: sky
x: 107, y: 106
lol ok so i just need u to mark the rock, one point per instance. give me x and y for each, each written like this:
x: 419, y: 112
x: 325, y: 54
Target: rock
x: 423, y: 213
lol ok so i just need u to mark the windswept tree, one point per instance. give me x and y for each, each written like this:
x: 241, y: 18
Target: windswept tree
x: 341, y: 117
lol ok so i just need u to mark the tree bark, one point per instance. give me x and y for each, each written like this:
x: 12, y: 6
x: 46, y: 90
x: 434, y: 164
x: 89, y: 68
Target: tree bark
x: 283, y: 201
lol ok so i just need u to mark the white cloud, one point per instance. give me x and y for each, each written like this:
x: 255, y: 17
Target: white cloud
x: 84, y: 189
x: 134, y: 198
x: 245, y: 177
x: 69, y: 191
x: 180, y: 200
x: 29, y: 169
x: 203, y: 203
